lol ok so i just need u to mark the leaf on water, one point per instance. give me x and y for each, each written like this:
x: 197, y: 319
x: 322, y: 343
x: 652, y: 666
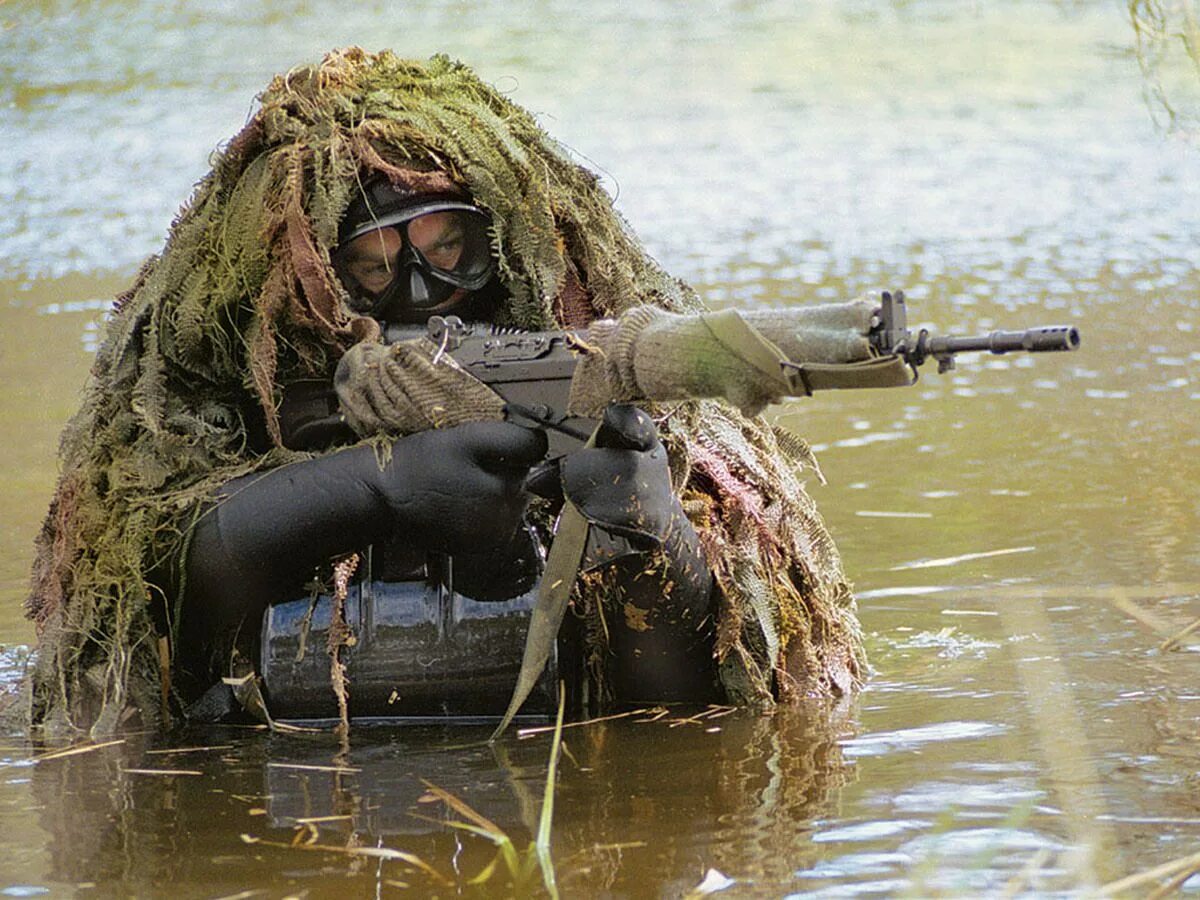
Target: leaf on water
x: 713, y: 881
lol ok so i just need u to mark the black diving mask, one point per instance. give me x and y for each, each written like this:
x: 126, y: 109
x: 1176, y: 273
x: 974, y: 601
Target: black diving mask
x: 408, y: 265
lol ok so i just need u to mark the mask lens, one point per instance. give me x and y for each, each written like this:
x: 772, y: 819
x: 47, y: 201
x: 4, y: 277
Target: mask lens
x: 369, y: 264
x: 453, y: 245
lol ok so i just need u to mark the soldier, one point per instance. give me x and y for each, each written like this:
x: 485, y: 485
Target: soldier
x: 367, y: 191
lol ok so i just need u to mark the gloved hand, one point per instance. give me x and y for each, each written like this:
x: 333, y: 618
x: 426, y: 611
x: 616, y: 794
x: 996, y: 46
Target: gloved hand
x: 446, y: 490
x: 623, y: 484
x: 459, y: 490
x: 660, y: 629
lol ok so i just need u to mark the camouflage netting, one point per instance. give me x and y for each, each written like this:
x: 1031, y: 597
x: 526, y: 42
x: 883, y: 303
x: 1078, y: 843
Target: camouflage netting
x: 243, y: 299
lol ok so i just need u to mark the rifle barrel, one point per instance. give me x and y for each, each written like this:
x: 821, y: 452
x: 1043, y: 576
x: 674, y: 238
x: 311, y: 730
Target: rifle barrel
x: 1033, y: 340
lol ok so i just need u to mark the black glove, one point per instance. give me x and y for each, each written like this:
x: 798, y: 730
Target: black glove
x: 623, y: 484
x: 661, y: 632
x: 457, y: 489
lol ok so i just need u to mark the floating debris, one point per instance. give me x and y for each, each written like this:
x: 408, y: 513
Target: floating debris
x: 75, y: 751
x: 347, y: 770
x: 703, y: 718
x: 546, y: 729
x: 713, y: 881
x: 955, y: 560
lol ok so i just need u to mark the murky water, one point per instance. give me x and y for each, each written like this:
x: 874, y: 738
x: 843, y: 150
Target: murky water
x: 1022, y: 731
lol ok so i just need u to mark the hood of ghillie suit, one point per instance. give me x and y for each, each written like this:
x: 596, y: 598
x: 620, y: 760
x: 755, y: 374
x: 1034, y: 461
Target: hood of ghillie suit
x: 243, y: 299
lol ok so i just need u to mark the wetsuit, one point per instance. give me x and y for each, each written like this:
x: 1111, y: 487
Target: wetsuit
x: 440, y: 527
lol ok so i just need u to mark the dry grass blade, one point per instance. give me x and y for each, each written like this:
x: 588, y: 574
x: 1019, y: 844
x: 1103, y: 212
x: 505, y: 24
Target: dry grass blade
x: 702, y: 718
x: 547, y: 729
x: 1146, y: 617
x: 161, y: 772
x: 1174, y: 884
x: 463, y: 809
x: 654, y: 715
x: 1174, y: 641
x: 276, y: 725
x: 191, y: 749
x: 1189, y: 864
x: 319, y: 820
x: 344, y: 770
x: 76, y: 750
x: 386, y: 853
x: 1151, y: 620
x: 506, y: 851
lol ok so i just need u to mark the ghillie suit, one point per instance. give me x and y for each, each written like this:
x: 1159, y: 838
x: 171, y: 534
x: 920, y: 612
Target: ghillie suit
x: 184, y: 393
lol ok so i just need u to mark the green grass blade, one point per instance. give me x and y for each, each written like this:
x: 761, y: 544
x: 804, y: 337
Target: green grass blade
x: 543, y: 836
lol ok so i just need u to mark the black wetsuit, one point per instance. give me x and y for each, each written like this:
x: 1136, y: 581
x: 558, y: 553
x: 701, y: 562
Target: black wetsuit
x: 442, y: 550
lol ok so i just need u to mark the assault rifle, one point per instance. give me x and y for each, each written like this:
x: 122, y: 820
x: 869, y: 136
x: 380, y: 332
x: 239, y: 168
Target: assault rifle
x: 749, y: 358
x: 532, y: 371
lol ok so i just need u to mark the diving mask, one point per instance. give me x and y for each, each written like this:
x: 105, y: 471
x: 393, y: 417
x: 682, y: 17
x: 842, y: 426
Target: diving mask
x: 407, y: 264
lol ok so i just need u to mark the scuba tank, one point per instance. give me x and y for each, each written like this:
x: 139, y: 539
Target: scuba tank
x: 421, y: 650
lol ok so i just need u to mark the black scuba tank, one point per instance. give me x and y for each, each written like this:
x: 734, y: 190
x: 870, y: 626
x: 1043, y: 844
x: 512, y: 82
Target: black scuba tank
x: 420, y: 650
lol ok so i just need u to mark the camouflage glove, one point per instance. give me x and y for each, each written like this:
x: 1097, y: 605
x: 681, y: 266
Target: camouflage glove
x: 399, y: 389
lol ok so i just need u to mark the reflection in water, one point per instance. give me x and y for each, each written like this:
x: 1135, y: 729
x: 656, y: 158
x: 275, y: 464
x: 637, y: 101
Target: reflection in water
x: 106, y: 826
x: 739, y: 793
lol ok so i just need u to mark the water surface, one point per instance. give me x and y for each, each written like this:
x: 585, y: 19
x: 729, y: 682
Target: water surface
x: 1021, y: 728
